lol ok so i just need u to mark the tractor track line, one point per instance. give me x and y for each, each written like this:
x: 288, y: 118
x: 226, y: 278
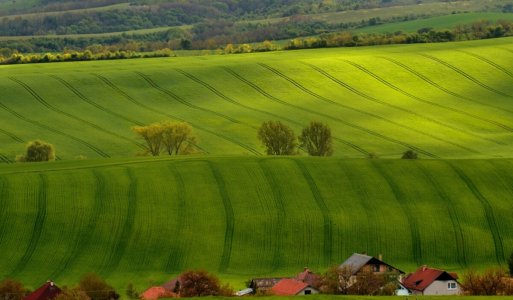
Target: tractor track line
x: 466, y: 75
x: 187, y: 103
x: 89, y: 101
x: 490, y: 217
x: 453, y: 214
x: 5, y: 159
x: 375, y: 100
x: 71, y: 116
x: 412, y: 221
x: 280, y: 211
x: 43, y: 126
x: 12, y: 136
x: 393, y: 140
x: 86, y: 235
x: 491, y: 63
x: 176, y: 256
x: 411, y: 96
x: 326, y: 216
x: 118, y: 250
x: 37, y: 228
x: 272, y: 98
x: 177, y: 98
x: 230, y: 217
x: 4, y: 196
x: 436, y: 85
x: 134, y: 101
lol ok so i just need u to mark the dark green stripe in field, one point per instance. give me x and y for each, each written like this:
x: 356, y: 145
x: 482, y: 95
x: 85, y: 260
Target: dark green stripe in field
x: 248, y: 217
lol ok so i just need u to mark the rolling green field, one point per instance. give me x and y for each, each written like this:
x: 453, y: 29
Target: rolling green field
x: 144, y: 220
x: 442, y: 100
x: 442, y: 22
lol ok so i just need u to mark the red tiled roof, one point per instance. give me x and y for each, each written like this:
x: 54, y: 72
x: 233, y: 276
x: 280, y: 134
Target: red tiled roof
x: 47, y: 291
x: 424, y: 277
x: 288, y: 287
x: 156, y: 292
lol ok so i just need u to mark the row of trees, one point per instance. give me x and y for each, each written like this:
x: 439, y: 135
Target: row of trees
x: 173, y: 138
x: 279, y: 139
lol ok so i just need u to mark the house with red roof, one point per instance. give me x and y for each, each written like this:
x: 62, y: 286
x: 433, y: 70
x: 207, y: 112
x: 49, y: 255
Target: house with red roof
x: 308, y: 277
x: 47, y: 291
x: 157, y: 292
x: 430, y: 281
x: 292, y: 287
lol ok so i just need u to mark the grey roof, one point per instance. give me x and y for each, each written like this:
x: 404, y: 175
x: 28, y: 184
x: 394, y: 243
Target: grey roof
x: 356, y: 262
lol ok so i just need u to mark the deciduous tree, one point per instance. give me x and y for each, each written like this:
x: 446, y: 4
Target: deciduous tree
x: 410, y: 154
x: 278, y: 138
x: 510, y: 264
x: 152, y: 135
x: 11, y: 290
x: 38, y: 151
x: 178, y: 137
x: 199, y: 283
x: 96, y: 288
x: 316, y: 139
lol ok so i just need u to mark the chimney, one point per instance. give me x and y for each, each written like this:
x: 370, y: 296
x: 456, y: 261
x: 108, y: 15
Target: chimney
x: 380, y: 257
x: 424, y: 268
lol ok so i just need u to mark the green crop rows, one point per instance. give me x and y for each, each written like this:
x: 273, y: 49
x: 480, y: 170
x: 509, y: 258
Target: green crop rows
x: 145, y: 220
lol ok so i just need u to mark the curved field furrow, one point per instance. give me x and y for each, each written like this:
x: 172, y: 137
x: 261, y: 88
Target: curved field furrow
x: 175, y: 258
x: 43, y: 126
x: 230, y: 218
x: 4, y: 196
x: 447, y: 91
x: 411, y: 96
x: 278, y: 73
x: 89, y: 101
x: 453, y: 213
x: 466, y: 75
x: 5, y: 159
x: 71, y: 116
x: 488, y: 211
x: 187, y: 103
x: 217, y: 92
x: 281, y: 214
x: 179, y: 99
x: 272, y: 98
x: 491, y: 63
x: 327, y: 219
x: 134, y: 101
x: 86, y: 233
x: 39, y: 222
x: 416, y: 239
x: 12, y: 136
x: 118, y: 250
x: 373, y: 99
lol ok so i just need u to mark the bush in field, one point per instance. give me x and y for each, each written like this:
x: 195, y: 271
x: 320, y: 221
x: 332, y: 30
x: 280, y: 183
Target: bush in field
x: 96, y: 288
x: 277, y: 138
x: 201, y: 283
x: 316, y: 139
x: 490, y: 283
x: 410, y: 154
x: 172, y: 137
x: 38, y: 151
x: 11, y: 290
x: 72, y: 294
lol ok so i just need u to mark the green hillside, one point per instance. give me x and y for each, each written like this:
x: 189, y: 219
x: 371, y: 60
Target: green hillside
x: 144, y: 220
x: 442, y: 100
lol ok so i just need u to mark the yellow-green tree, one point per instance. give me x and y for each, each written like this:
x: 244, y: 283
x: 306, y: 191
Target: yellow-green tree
x: 178, y: 138
x: 316, y: 139
x: 152, y: 135
x: 38, y: 151
x: 278, y: 138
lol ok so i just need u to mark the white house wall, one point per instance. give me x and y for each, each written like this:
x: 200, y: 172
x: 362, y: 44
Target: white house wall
x: 439, y: 287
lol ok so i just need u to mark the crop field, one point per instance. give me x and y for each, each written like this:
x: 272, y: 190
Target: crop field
x: 145, y: 220
x: 441, y: 22
x: 442, y: 100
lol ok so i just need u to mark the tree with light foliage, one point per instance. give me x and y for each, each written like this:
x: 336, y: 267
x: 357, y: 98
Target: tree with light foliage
x: 172, y: 137
x: 278, y: 138
x: 316, y: 139
x: 37, y: 151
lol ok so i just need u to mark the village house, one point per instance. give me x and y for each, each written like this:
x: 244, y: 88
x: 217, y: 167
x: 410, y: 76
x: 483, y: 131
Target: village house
x: 262, y: 285
x: 47, y: 291
x: 292, y: 287
x: 430, y: 281
x: 358, y: 263
x: 309, y: 277
x: 170, y: 289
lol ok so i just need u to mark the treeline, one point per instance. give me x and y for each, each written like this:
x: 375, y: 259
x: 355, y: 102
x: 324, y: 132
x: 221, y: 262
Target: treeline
x: 17, y: 58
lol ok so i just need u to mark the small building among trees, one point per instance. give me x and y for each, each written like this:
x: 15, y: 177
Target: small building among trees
x: 359, y: 263
x: 47, y: 291
x: 292, y: 287
x: 430, y: 281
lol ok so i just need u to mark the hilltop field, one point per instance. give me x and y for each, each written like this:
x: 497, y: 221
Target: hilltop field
x: 450, y: 100
x: 229, y: 209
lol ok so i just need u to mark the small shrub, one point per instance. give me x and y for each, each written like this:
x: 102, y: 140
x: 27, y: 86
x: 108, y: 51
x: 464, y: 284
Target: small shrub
x: 410, y: 154
x: 490, y: 283
x: 37, y: 151
x: 96, y: 288
x: 11, y: 290
x: 201, y: 283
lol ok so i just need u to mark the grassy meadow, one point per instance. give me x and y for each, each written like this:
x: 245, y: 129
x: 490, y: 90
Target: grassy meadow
x: 442, y: 100
x: 145, y: 220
